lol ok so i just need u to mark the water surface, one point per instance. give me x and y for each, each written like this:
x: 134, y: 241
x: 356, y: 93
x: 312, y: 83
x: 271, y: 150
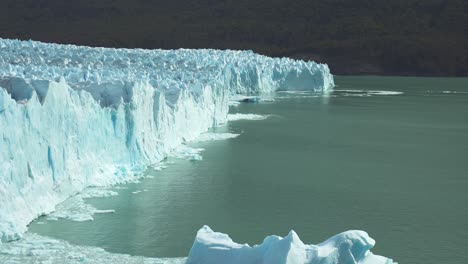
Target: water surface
x: 393, y: 165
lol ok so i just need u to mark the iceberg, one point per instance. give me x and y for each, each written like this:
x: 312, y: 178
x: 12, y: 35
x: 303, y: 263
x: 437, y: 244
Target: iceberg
x: 351, y: 247
x: 73, y: 116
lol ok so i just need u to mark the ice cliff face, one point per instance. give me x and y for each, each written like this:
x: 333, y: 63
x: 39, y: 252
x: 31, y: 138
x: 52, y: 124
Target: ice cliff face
x: 351, y: 247
x: 72, y: 117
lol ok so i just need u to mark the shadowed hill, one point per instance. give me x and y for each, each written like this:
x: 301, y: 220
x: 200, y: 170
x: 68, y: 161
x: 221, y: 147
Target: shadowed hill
x: 402, y: 37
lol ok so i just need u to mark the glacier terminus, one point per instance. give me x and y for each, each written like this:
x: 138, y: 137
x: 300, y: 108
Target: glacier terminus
x: 72, y: 117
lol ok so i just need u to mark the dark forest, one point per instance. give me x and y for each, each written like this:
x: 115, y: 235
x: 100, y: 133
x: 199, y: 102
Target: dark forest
x: 398, y: 37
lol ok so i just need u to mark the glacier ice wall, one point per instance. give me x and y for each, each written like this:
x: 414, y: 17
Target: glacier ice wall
x: 73, y: 117
x: 351, y: 247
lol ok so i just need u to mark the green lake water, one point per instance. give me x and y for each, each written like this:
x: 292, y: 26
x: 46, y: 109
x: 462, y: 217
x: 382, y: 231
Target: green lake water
x: 395, y: 166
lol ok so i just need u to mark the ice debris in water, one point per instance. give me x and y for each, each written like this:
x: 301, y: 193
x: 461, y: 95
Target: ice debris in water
x: 351, y: 247
x: 238, y: 116
x: 454, y: 92
x: 75, y: 208
x: 363, y: 93
x: 208, y: 136
x: 186, y: 152
x: 33, y: 249
x: 237, y: 99
x: 74, y: 116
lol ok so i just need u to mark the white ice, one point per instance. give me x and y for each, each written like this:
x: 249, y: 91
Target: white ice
x: 454, y: 92
x: 73, y: 117
x: 239, y: 116
x: 35, y: 249
x: 347, y: 92
x: 75, y: 208
x: 215, y: 136
x: 351, y: 247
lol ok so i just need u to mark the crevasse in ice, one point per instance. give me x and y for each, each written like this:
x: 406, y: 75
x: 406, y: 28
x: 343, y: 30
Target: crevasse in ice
x: 72, y: 117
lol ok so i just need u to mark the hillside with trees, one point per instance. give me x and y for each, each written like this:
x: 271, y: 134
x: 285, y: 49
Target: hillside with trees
x: 398, y: 37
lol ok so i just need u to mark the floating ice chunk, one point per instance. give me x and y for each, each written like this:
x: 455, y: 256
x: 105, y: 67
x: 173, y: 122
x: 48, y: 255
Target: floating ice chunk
x: 351, y: 247
x: 108, y: 211
x: 245, y: 99
x: 215, y: 136
x: 93, y: 192
x: 238, y: 116
x: 75, y: 208
x: 384, y: 92
x: 157, y: 167
x: 351, y: 94
x: 186, y: 152
x: 454, y: 92
x: 347, y: 92
x: 298, y: 92
x: 234, y: 103
x: 236, y: 99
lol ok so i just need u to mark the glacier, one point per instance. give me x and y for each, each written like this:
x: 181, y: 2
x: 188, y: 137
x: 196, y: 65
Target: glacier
x: 73, y: 116
x: 350, y: 247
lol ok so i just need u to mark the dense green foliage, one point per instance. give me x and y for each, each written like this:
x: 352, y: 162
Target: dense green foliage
x: 404, y: 37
